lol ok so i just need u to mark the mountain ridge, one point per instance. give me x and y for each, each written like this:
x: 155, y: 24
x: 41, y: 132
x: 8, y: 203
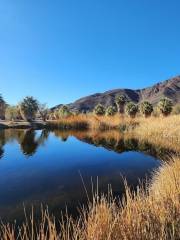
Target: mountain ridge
x: 169, y: 88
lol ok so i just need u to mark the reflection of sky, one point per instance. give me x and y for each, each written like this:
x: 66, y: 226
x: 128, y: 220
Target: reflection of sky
x: 57, y: 164
x: 56, y: 153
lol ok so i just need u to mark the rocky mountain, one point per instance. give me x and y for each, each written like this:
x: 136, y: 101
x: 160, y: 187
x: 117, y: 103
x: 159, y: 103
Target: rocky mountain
x: 169, y: 88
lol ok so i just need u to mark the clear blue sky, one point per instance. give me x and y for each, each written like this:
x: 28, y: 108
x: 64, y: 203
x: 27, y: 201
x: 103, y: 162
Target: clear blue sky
x: 60, y: 50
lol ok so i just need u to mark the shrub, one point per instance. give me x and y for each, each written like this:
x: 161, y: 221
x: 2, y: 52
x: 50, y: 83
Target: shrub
x: 28, y: 108
x: 43, y: 111
x: 2, y: 107
x: 120, y: 102
x: 131, y: 109
x: 165, y: 106
x: 12, y: 113
x: 99, y: 110
x: 111, y: 111
x: 146, y: 108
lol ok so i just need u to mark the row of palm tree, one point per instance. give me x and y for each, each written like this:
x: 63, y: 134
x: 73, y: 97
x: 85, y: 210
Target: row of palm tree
x: 122, y: 105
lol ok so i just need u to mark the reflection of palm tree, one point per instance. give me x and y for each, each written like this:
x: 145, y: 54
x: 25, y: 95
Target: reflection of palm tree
x: 64, y: 139
x: 1, y: 152
x: 2, y: 142
x: 28, y: 144
x: 119, y: 143
x: 131, y: 144
x: 43, y: 137
x: 120, y: 146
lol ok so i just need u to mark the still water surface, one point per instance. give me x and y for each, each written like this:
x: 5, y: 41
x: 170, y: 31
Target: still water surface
x: 46, y: 167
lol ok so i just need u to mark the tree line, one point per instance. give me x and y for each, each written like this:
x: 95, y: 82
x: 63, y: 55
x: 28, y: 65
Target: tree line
x: 30, y: 109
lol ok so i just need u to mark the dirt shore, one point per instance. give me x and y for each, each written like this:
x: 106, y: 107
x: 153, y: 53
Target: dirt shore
x: 21, y: 124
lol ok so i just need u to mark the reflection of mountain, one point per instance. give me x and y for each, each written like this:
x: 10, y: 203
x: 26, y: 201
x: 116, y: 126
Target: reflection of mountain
x: 115, y: 141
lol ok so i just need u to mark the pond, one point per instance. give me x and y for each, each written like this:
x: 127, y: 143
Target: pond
x: 51, y: 167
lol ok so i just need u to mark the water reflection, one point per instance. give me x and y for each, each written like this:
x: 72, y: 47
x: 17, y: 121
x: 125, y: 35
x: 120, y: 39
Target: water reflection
x: 29, y: 145
x: 118, y: 142
x: 51, y: 176
x: 2, y: 143
x: 30, y: 140
x: 27, y: 139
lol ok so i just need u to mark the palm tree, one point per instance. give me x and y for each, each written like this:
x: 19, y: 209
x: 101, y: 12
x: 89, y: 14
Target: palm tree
x: 131, y: 109
x: 146, y: 108
x: 99, y: 110
x: 120, y: 102
x: 111, y: 111
x: 165, y: 106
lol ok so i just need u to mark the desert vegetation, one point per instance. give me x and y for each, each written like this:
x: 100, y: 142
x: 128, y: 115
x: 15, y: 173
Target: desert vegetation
x: 146, y: 108
x: 165, y: 106
x: 99, y: 110
x: 120, y: 103
x: 121, y: 115
x: 30, y: 109
x: 2, y: 107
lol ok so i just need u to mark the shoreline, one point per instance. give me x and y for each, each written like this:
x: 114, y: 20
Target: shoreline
x: 22, y: 125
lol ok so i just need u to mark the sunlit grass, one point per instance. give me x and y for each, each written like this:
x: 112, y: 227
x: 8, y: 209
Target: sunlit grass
x: 163, y: 131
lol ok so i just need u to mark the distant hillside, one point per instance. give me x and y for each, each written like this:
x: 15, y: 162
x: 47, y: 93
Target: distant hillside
x: 169, y: 88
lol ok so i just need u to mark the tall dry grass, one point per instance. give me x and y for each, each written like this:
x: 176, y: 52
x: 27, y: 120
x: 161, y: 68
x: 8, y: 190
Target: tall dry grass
x: 91, y: 121
x: 163, y: 131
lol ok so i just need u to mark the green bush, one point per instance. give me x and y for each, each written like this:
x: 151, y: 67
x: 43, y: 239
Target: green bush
x: 28, y: 108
